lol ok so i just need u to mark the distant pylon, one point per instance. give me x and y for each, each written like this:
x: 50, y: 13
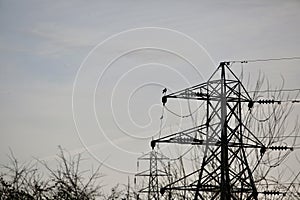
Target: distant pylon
x: 154, y: 172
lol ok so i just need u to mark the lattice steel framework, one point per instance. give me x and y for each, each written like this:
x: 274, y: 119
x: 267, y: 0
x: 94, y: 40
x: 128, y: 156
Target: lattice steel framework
x: 225, y: 172
x: 153, y: 188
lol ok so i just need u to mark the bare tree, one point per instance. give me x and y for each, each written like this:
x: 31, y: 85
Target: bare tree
x: 24, y: 181
x: 274, y: 126
x: 68, y: 181
x: 116, y: 193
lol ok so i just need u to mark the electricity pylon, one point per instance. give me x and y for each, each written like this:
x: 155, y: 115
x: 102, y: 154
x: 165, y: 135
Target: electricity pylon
x: 227, y: 142
x: 154, y: 158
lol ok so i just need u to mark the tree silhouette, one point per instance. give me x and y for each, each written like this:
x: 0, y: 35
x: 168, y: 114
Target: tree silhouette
x: 67, y: 181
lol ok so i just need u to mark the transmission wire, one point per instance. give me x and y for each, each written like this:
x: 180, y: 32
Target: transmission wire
x: 265, y: 60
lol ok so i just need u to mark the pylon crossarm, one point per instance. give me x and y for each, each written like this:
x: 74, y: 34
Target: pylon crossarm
x: 194, y: 141
x: 159, y: 156
x: 188, y: 136
x: 197, y: 93
x: 145, y: 190
x: 143, y: 173
x: 147, y: 173
x: 168, y: 186
x: 207, y: 188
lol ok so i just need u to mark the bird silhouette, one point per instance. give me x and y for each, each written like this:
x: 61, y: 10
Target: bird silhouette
x: 164, y: 91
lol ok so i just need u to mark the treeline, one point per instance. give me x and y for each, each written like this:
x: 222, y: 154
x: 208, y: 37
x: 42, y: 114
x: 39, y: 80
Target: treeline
x: 25, y: 181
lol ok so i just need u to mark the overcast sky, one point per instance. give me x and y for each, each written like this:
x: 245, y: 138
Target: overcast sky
x: 49, y: 48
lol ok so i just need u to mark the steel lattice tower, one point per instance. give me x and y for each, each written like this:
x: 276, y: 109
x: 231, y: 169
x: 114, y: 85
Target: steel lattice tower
x: 225, y: 172
x: 153, y: 188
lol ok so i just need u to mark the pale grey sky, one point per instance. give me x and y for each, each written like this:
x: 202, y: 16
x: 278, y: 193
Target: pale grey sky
x: 43, y: 44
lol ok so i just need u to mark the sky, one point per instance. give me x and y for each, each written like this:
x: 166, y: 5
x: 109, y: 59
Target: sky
x: 88, y: 75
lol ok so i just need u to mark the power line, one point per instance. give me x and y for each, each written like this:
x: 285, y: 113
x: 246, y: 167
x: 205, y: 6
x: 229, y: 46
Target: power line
x: 279, y: 90
x: 183, y: 116
x: 283, y: 136
x: 266, y: 59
